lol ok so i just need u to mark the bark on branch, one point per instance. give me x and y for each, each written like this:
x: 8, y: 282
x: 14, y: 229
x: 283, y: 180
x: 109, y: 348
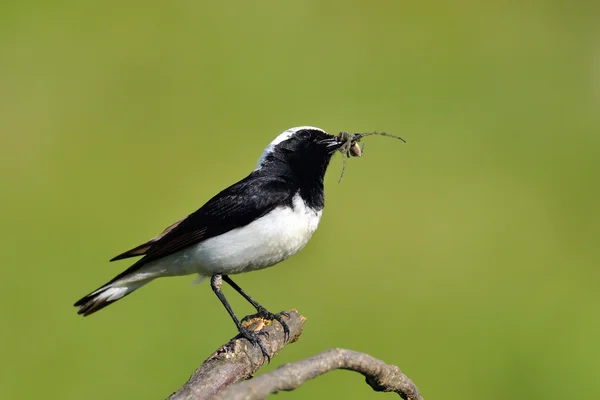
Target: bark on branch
x: 238, y: 360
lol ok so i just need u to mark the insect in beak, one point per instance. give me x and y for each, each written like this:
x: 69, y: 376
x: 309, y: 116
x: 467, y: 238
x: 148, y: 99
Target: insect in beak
x: 350, y: 147
x: 355, y: 150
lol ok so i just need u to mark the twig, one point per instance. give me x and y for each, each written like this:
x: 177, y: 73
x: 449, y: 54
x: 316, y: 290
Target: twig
x: 379, y: 375
x: 238, y: 359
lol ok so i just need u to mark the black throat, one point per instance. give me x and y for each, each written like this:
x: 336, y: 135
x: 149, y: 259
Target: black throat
x: 303, y: 171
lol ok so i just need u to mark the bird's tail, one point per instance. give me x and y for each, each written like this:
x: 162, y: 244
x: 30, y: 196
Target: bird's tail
x: 106, y: 295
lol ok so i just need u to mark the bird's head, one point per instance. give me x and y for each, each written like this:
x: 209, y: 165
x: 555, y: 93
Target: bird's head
x: 305, y: 150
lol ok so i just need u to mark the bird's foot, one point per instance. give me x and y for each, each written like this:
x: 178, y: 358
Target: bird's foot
x: 269, y: 316
x: 254, y: 338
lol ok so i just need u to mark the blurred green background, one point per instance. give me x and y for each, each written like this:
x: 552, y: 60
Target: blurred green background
x: 468, y: 256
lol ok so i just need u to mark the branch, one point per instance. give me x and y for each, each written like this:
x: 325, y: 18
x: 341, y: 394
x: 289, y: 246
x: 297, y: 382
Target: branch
x: 379, y: 375
x: 239, y: 359
x: 218, y: 376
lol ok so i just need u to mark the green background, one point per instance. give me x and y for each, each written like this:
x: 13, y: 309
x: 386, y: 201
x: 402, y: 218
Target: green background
x: 468, y: 256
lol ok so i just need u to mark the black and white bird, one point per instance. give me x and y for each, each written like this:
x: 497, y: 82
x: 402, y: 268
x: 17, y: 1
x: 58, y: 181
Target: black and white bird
x: 257, y: 222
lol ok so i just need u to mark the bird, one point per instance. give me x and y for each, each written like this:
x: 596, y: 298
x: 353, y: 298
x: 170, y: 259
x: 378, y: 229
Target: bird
x: 256, y: 223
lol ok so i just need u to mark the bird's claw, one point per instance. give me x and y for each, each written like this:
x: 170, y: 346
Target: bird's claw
x: 269, y: 316
x: 254, y: 339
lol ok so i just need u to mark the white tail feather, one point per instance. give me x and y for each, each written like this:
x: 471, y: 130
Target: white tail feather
x: 106, y: 295
x: 114, y: 293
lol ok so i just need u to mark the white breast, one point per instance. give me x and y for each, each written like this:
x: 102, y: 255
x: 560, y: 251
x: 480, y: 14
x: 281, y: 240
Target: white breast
x: 264, y: 242
x: 273, y: 238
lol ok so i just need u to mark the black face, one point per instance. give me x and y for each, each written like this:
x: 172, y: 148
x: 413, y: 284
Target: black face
x: 307, y: 153
x: 309, y: 143
x: 303, y: 159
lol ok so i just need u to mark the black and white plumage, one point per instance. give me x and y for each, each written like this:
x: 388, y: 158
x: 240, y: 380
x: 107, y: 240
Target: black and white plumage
x: 257, y: 222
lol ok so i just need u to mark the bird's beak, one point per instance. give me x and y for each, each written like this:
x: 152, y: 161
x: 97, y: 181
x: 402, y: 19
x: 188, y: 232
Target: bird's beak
x: 336, y: 142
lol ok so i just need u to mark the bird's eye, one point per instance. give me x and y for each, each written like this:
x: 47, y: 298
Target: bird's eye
x: 304, y: 134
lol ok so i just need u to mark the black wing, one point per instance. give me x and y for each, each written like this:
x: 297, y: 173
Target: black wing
x: 234, y: 207
x: 143, y: 248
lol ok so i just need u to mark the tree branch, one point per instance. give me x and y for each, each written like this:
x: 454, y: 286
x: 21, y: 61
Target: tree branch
x: 379, y: 375
x: 238, y: 359
x: 218, y: 376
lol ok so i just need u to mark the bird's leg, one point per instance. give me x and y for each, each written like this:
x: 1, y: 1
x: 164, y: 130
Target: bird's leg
x: 215, y: 284
x: 260, y: 310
